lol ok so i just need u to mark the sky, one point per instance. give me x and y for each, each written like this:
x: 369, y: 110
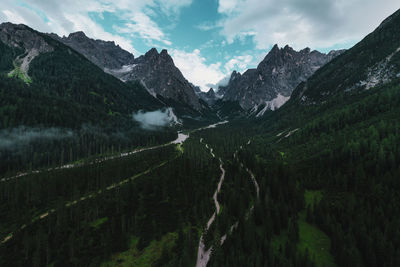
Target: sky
x: 207, y: 39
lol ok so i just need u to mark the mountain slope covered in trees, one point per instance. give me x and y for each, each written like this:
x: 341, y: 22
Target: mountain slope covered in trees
x: 47, y: 87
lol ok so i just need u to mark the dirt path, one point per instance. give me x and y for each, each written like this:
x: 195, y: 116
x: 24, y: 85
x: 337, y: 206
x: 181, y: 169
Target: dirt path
x: 203, y: 255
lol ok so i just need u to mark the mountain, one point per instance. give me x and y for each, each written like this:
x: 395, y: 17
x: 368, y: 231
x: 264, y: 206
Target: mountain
x: 338, y: 137
x: 209, y: 97
x: 102, y: 53
x: 54, y: 100
x: 270, y: 85
x: 156, y: 71
x: 63, y: 82
x: 373, y: 61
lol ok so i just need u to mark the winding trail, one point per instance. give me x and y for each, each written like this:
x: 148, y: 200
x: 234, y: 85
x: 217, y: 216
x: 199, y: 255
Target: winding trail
x: 253, y: 178
x: 203, y: 255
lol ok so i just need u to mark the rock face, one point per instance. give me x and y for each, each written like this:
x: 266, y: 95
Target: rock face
x: 23, y: 37
x: 156, y: 71
x: 273, y: 81
x: 209, y: 97
x: 30, y: 42
x: 102, y: 53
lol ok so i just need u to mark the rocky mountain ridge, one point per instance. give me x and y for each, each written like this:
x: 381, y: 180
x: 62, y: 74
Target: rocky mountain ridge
x: 30, y: 45
x: 156, y: 71
x: 105, y: 54
x: 272, y: 82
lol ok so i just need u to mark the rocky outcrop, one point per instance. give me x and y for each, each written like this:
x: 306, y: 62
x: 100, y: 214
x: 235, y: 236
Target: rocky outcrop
x: 273, y: 81
x: 23, y: 37
x: 156, y: 71
x: 29, y: 42
x: 104, y: 54
x: 209, y: 97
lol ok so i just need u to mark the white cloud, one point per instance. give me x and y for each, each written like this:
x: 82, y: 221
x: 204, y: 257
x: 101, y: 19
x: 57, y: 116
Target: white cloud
x: 64, y: 17
x: 228, y: 6
x: 13, y: 17
x: 142, y: 26
x: 194, y: 67
x: 94, y: 30
x: 238, y: 63
x: 152, y: 120
x: 312, y: 23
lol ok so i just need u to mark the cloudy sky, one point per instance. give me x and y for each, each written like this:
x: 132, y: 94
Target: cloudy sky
x: 207, y: 39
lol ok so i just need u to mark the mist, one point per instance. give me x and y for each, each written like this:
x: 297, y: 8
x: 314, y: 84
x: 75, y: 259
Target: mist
x: 223, y: 82
x: 152, y: 120
x: 11, y: 139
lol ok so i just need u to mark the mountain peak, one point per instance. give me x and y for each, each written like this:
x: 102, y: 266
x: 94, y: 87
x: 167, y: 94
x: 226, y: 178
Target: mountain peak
x: 20, y: 35
x: 105, y: 54
x: 164, y: 52
x: 9, y: 26
x: 165, y: 56
x: 211, y: 92
x: 287, y: 48
x: 151, y: 53
x: 277, y: 75
x: 275, y: 48
x: 306, y: 50
x: 77, y: 35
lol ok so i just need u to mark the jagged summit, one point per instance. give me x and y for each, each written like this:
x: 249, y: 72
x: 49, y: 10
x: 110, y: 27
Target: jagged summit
x: 275, y: 77
x: 104, y: 54
x: 78, y: 34
x: 156, y: 71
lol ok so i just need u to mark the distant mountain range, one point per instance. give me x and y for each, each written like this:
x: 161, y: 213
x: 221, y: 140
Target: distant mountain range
x: 267, y: 87
x: 373, y: 61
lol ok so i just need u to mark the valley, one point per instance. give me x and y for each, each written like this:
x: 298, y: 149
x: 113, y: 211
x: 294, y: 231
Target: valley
x: 113, y: 159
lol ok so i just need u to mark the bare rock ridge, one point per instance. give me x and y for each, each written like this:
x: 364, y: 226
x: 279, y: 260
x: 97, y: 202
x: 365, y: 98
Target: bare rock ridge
x: 275, y: 78
x: 102, y: 53
x: 156, y: 71
x: 22, y: 37
x: 209, y: 97
x: 160, y: 76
